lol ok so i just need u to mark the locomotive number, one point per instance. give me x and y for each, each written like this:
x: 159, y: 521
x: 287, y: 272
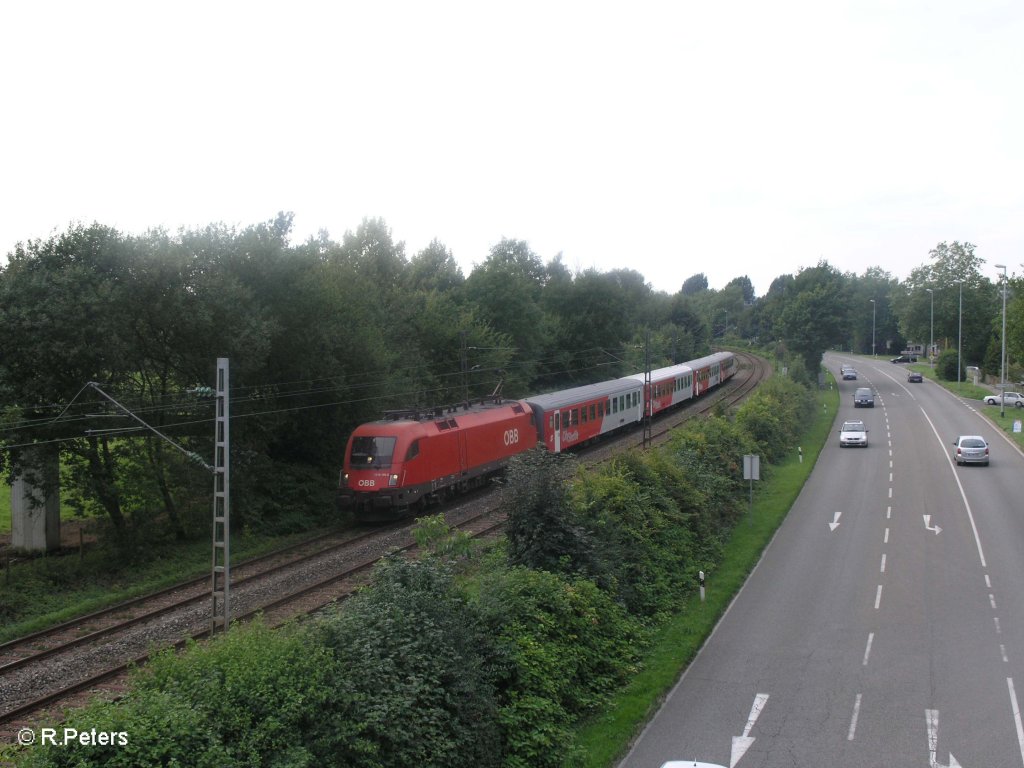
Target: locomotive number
x: 511, y: 436
x: 367, y: 483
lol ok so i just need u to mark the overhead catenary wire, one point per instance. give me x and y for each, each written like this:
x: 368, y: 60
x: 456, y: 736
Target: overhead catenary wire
x: 268, y: 393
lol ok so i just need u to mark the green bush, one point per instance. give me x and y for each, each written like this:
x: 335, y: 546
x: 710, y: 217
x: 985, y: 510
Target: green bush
x: 561, y: 645
x: 251, y: 698
x: 641, y: 532
x: 412, y: 675
x: 946, y: 366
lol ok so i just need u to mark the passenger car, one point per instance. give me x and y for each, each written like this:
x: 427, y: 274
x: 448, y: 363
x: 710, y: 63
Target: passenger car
x: 853, y: 433
x: 849, y: 374
x: 863, y: 398
x: 971, y: 449
x: 914, y: 377
x: 1015, y: 399
x: 904, y: 359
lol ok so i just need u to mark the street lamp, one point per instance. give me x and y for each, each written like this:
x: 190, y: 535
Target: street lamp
x: 872, y: 327
x: 1002, y: 355
x: 931, y: 333
x: 959, y: 333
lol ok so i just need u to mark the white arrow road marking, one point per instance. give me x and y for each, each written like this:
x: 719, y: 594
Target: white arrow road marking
x: 835, y: 521
x: 740, y: 744
x: 931, y: 716
x: 928, y: 525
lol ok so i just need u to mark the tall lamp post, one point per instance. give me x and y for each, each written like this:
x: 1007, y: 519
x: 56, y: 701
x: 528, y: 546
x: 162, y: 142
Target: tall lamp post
x: 931, y: 333
x: 1002, y: 354
x: 872, y: 327
x: 959, y: 333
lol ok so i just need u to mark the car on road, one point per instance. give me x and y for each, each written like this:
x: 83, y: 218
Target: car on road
x: 971, y: 449
x: 914, y: 377
x: 863, y: 398
x: 849, y: 374
x: 853, y: 433
x: 904, y: 359
x: 1015, y: 399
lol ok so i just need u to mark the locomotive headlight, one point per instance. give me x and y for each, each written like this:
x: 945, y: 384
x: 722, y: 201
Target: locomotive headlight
x: 393, y: 481
x: 344, y: 479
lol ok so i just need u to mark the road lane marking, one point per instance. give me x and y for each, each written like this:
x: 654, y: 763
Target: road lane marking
x: 853, y: 722
x: 882, y: 570
x: 992, y: 600
x: 740, y: 744
x: 988, y: 582
x: 963, y: 494
x: 1002, y: 650
x: 888, y: 513
x: 886, y: 539
x: 878, y: 597
x: 867, y: 651
x: 999, y: 629
x: 1016, y: 716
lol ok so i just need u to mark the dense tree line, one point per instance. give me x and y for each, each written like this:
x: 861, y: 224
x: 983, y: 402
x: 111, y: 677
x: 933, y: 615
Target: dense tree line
x: 323, y: 335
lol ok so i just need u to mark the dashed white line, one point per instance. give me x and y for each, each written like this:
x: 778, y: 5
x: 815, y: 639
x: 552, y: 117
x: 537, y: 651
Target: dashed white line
x: 888, y: 513
x: 988, y: 582
x: 867, y: 651
x: 999, y: 629
x: 1002, y: 650
x: 992, y: 600
x: 853, y: 722
x: 886, y: 539
x: 883, y: 563
x: 878, y: 597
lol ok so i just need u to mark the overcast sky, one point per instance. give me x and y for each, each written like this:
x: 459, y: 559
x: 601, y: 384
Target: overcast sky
x: 729, y: 138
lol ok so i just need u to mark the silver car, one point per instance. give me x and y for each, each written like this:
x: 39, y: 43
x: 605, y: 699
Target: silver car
x: 971, y: 449
x: 1015, y: 399
x: 853, y: 433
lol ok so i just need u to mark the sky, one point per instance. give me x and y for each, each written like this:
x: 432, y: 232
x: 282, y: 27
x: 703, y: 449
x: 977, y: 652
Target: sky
x: 671, y: 138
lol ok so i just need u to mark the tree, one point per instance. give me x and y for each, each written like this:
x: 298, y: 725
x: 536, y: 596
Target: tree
x: 814, y: 319
x: 506, y: 290
x: 694, y: 284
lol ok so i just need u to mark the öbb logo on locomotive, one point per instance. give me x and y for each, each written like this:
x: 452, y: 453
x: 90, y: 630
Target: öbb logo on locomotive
x: 397, y: 465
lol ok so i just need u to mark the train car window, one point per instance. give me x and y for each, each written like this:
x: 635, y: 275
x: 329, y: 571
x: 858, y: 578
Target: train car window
x: 600, y: 409
x: 372, y: 451
x: 583, y: 414
x: 558, y: 420
x: 615, y: 405
x: 414, y: 450
x: 575, y: 417
x: 593, y: 412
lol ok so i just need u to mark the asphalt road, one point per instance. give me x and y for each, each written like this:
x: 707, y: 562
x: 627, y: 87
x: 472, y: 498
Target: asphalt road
x: 884, y: 625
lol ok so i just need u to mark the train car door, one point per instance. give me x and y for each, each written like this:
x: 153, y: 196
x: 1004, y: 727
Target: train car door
x: 557, y: 431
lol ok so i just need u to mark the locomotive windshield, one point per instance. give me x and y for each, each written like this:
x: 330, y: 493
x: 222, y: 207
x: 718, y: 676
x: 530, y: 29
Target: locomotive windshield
x: 369, y: 452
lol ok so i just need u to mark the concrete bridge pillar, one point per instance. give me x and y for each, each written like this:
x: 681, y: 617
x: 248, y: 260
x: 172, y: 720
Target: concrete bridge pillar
x: 35, y: 501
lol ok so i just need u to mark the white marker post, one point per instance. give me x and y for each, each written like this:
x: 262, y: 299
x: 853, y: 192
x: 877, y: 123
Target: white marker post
x: 751, y: 472
x: 700, y: 577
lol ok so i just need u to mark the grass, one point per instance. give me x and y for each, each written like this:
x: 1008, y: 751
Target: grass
x: 970, y: 391
x: 605, y: 737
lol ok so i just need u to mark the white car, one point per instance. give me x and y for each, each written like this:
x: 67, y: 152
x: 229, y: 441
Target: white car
x: 1015, y: 399
x: 853, y: 433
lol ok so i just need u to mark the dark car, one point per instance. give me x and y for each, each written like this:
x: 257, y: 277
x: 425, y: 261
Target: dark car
x: 904, y: 359
x: 914, y: 377
x: 864, y: 398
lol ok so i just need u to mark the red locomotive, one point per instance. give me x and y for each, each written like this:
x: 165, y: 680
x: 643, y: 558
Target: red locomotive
x: 411, y: 458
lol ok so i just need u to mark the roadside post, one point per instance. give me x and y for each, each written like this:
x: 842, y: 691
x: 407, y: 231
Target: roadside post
x: 752, y: 472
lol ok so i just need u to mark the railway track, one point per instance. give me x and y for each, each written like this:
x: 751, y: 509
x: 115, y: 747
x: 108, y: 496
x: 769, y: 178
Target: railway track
x: 66, y: 664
